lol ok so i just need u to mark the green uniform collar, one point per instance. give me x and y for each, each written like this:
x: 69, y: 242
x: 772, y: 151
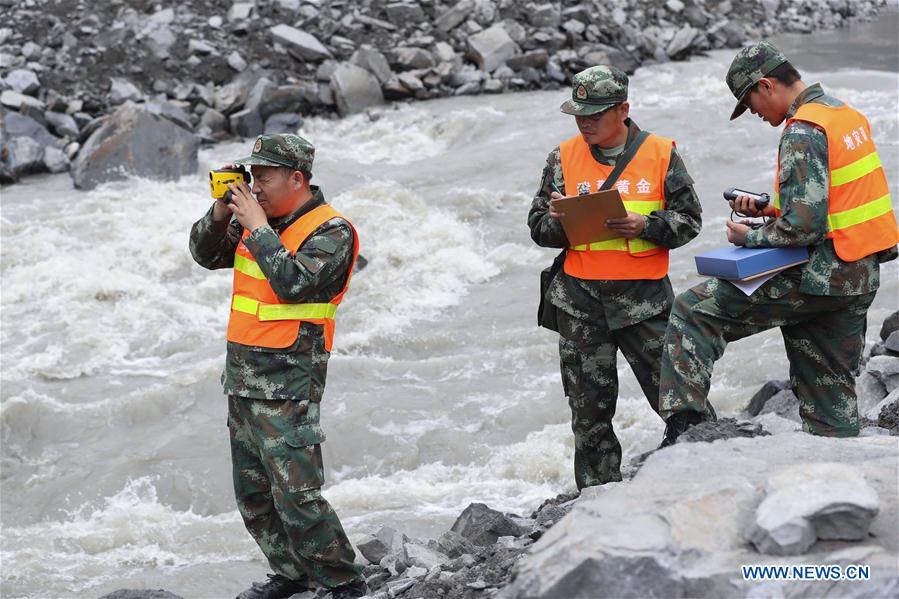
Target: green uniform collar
x: 809, y: 94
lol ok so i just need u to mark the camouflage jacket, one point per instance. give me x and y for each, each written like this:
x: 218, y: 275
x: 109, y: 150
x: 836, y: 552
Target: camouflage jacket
x: 316, y: 273
x: 804, y: 184
x: 624, y: 302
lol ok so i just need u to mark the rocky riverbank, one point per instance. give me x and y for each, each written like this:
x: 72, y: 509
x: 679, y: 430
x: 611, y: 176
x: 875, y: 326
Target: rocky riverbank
x: 750, y: 490
x: 83, y: 82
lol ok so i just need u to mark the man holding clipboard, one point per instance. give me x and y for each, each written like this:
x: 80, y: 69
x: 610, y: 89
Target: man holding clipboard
x: 614, y: 293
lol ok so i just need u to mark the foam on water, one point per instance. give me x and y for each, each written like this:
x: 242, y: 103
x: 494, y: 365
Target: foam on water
x: 131, y: 529
x: 401, y: 135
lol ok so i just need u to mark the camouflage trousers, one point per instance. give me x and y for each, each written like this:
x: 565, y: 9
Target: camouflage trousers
x: 278, y: 473
x: 823, y: 336
x: 588, y: 355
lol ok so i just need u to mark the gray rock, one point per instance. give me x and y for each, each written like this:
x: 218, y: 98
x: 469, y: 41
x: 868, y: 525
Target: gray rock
x: 246, y: 123
x: 421, y: 556
x: 372, y: 61
x: 681, y: 42
x: 444, y: 52
x: 236, y: 61
x: 122, y: 90
x: 62, y: 124
x: 213, y: 122
x: 723, y: 428
x: 159, y: 39
x: 373, y: 549
x: 806, y: 503
x: 283, y: 122
x: 768, y: 390
x: 536, y: 59
x: 892, y: 342
x: 23, y: 81
x: 544, y: 15
x: 19, y: 125
x: 403, y: 13
x: 873, y: 412
x: 677, y: 528
x: 452, y: 544
x: 890, y: 324
x: 674, y: 5
x: 453, y: 16
x: 24, y: 156
x: 141, y: 594
x: 15, y: 100
x: 783, y: 403
x: 299, y: 43
x: 288, y: 98
x: 355, y: 89
x: 134, y: 142
x: 886, y: 370
x: 258, y: 94
x: 201, y: 47
x: 482, y: 525
x: 230, y: 97
x: 492, y: 48
x: 171, y: 111
x: 410, y: 82
x: 603, y: 54
x: 413, y: 58
x: 240, y: 11
x: 55, y: 160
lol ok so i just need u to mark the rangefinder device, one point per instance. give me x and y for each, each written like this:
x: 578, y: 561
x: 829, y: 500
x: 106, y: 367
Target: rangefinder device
x: 761, y: 199
x: 219, y: 180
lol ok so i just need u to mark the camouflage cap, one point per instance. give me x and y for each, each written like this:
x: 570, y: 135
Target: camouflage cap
x: 281, y: 150
x: 749, y: 65
x: 595, y: 90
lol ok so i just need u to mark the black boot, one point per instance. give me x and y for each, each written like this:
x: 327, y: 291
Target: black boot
x: 277, y: 587
x: 677, y: 424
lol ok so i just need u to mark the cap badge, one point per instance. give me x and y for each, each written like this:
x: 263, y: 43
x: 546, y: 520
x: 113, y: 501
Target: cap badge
x: 581, y: 92
x: 258, y: 146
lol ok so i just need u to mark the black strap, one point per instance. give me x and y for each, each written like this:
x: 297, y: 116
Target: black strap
x: 546, y: 314
x: 624, y: 159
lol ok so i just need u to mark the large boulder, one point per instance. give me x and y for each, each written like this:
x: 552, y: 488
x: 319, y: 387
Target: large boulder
x: 806, y: 503
x: 22, y: 156
x: 482, y: 525
x: 133, y: 142
x: 355, y: 89
x: 677, y: 529
x: 492, y: 47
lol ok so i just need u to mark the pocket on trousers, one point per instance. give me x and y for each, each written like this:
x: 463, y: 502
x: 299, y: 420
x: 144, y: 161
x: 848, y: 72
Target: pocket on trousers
x: 303, y: 468
x: 570, y: 364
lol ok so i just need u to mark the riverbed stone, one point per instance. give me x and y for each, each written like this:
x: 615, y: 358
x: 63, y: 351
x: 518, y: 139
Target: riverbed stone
x: 355, y: 89
x: 482, y: 525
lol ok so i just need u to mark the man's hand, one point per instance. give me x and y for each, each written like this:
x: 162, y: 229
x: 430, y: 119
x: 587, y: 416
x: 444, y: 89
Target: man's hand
x: 736, y: 232
x: 746, y: 205
x: 245, y: 207
x: 553, y: 211
x: 629, y: 227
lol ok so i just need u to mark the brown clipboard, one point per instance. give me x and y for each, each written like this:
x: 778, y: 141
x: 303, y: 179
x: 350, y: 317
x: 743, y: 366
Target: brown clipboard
x: 585, y: 216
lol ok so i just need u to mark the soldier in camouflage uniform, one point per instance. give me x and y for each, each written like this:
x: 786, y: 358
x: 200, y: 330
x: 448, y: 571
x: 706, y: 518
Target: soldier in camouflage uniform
x: 820, y: 306
x: 274, y: 394
x: 596, y: 318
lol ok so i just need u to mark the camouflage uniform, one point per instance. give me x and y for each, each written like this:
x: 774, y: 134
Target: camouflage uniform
x: 597, y: 318
x: 820, y: 307
x: 274, y: 394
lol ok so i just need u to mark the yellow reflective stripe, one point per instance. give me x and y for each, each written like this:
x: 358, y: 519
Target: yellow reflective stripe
x: 619, y: 243
x: 856, y: 170
x: 244, y: 304
x: 777, y: 200
x: 641, y: 245
x: 296, y: 311
x: 642, y: 207
x: 860, y: 214
x: 247, y: 267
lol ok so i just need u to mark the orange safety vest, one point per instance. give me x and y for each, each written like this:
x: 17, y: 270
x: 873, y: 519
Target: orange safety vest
x: 642, y: 188
x: 860, y: 217
x: 258, y: 316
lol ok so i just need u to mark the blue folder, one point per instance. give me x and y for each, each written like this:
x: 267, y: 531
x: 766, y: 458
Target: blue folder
x: 734, y: 262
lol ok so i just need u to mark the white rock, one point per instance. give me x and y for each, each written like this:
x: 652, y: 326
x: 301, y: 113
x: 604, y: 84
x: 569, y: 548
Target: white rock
x: 355, y: 89
x: 236, y: 61
x: 240, y: 11
x: 808, y: 502
x: 492, y: 47
x: 15, y: 100
x: 303, y: 44
x: 23, y: 81
x: 122, y: 90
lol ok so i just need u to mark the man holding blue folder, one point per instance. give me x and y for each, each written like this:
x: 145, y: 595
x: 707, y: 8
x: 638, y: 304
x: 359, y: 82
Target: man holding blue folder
x: 831, y: 196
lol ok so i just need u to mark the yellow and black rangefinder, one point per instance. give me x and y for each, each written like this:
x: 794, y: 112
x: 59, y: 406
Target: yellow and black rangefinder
x: 219, y: 180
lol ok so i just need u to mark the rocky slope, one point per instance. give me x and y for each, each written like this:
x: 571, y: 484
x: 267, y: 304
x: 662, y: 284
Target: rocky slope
x: 218, y: 69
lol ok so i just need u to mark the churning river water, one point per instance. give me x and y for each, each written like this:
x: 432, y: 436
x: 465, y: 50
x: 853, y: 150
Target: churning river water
x: 441, y: 390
